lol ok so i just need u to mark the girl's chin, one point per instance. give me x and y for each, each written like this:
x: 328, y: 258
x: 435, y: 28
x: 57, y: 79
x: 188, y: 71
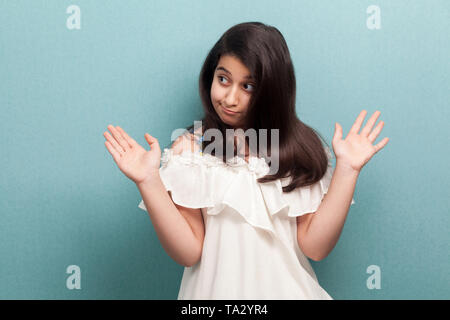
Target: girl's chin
x: 230, y: 123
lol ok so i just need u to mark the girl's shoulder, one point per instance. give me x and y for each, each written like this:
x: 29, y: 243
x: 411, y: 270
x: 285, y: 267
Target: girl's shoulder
x: 189, y: 141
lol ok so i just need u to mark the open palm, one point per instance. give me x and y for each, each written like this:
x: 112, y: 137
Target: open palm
x: 357, y: 148
x: 133, y: 160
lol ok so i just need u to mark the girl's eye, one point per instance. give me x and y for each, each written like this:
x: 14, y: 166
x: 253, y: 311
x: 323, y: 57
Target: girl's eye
x: 220, y: 77
x: 249, y: 84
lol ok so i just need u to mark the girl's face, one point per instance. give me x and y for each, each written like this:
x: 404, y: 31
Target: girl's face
x: 231, y: 90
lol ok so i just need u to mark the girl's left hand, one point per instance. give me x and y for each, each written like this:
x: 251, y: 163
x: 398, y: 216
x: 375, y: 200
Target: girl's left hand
x: 356, y: 149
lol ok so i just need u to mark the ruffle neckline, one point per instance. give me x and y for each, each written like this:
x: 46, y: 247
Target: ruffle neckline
x: 204, y: 181
x: 255, y: 165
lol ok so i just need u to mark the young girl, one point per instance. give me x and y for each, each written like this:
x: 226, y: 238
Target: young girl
x: 240, y: 232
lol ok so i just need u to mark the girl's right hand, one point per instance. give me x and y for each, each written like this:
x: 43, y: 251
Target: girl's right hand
x: 132, y: 159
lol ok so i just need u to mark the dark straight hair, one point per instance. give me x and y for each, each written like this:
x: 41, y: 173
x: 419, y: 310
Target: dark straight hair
x: 263, y: 50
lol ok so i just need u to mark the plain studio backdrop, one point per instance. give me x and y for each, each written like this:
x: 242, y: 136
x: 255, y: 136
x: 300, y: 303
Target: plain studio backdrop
x: 68, y: 69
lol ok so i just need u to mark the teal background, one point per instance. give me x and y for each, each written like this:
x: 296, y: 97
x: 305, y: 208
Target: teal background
x: 64, y: 202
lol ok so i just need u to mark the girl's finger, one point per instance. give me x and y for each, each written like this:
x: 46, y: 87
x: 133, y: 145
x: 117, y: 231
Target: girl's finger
x: 358, y: 122
x: 114, y: 153
x: 114, y: 143
x: 118, y: 136
x: 381, y: 144
x: 131, y: 141
x: 374, y: 134
x: 337, y: 131
x: 370, y: 123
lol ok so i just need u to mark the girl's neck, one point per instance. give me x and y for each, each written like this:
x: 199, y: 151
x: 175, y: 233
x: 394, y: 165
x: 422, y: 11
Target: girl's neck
x: 244, y: 152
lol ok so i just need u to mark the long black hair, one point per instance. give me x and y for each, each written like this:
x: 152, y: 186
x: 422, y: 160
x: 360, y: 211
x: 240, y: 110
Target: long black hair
x: 263, y: 50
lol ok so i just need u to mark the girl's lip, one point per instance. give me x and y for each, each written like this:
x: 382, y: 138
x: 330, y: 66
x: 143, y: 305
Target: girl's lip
x: 228, y: 110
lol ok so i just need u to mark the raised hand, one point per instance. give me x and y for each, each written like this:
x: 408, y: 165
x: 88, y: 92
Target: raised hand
x: 357, y: 149
x: 132, y: 159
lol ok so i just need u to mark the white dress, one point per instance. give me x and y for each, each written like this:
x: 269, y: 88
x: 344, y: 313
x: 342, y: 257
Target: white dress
x: 250, y: 248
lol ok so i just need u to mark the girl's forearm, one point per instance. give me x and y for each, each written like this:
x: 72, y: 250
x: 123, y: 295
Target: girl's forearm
x: 172, y: 229
x: 327, y: 223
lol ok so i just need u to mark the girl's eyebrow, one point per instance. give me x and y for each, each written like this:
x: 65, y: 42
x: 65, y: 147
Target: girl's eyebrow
x: 222, y: 68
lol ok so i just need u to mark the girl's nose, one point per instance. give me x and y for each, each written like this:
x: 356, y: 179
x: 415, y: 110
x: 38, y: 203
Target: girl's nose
x: 232, y: 96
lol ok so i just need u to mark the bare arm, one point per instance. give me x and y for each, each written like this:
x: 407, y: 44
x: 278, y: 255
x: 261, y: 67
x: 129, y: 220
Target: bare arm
x: 175, y: 233
x: 179, y: 229
x: 318, y: 233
